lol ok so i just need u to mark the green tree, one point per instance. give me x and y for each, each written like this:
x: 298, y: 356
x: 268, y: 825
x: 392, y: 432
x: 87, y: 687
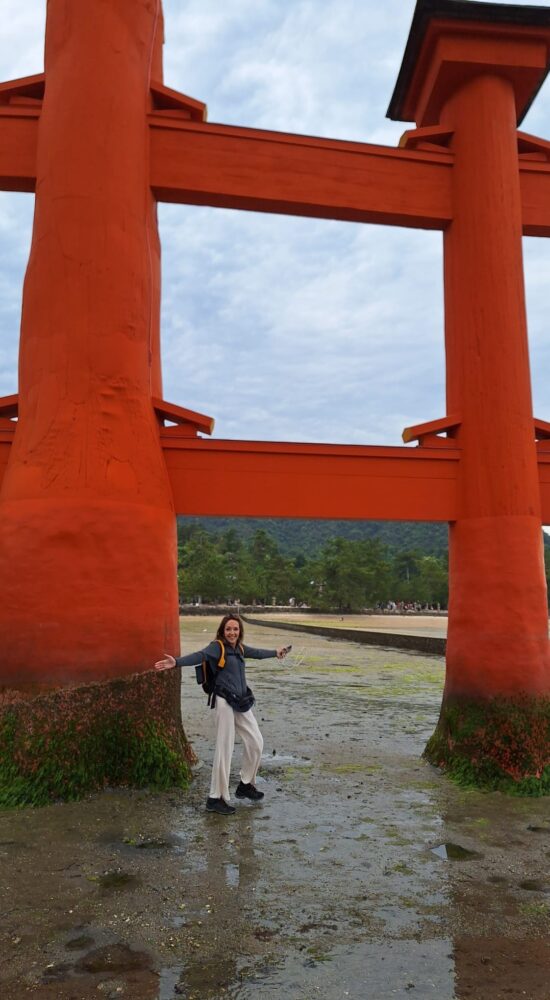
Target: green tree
x: 204, y: 571
x: 432, y: 583
x: 350, y: 575
x: 406, y: 571
x: 272, y: 572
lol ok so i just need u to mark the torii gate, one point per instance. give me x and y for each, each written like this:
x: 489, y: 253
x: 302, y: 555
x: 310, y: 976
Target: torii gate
x: 91, y: 475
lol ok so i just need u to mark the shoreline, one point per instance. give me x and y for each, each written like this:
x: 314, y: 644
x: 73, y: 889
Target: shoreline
x: 412, y: 641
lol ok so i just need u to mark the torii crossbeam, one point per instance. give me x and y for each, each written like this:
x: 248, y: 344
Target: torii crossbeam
x: 92, y: 475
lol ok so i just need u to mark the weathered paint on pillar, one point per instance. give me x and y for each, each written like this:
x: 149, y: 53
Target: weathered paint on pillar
x: 87, y: 527
x: 498, y: 613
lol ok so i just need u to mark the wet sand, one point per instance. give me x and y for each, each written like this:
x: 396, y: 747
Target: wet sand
x: 435, y: 625
x: 337, y: 885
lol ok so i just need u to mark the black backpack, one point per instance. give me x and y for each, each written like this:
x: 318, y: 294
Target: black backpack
x: 207, y: 673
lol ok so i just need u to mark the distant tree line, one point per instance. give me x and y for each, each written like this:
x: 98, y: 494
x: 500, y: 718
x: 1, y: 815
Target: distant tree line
x: 341, y: 575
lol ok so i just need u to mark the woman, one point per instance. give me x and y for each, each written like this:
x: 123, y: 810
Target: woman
x: 232, y: 703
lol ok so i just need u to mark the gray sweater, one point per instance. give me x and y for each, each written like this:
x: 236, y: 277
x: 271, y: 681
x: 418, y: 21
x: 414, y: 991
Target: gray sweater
x: 232, y: 677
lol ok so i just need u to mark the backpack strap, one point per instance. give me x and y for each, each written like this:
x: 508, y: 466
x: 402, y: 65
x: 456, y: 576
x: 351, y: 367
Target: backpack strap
x: 221, y: 664
x: 221, y: 661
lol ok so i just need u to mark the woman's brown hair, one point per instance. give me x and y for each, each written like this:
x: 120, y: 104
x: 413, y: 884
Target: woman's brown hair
x: 223, y: 623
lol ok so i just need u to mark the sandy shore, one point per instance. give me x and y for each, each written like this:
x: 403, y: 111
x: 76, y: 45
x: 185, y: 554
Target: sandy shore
x: 402, y: 624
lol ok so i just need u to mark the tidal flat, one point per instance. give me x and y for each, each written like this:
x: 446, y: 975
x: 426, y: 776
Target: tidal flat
x: 364, y: 873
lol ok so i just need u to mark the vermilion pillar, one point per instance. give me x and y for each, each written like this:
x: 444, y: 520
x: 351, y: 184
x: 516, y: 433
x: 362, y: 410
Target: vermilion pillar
x: 470, y: 72
x: 87, y: 527
x: 498, y: 611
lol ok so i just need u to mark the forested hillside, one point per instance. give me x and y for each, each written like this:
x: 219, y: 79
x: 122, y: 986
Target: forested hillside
x: 343, y: 574
x: 339, y: 565
x: 294, y: 537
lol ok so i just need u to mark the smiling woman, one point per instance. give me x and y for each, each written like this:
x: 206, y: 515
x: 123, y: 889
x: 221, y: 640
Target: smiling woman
x: 87, y: 485
x: 222, y: 665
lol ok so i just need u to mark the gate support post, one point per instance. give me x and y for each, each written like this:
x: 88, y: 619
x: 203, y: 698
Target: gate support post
x: 88, y: 570
x: 473, y: 79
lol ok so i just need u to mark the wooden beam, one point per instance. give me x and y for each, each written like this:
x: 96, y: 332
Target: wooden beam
x: 544, y: 480
x: 18, y: 138
x: 7, y: 431
x: 432, y: 427
x: 9, y: 405
x: 355, y: 482
x: 239, y: 168
x: 26, y: 89
x: 179, y: 415
x: 272, y: 479
x: 535, y: 198
x: 167, y: 100
x: 201, y: 164
x: 230, y: 167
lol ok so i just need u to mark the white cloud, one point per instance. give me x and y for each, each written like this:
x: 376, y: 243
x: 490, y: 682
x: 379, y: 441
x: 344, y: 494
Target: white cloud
x: 308, y: 313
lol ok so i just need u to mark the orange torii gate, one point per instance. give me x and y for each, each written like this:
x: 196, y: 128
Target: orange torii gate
x: 92, y: 476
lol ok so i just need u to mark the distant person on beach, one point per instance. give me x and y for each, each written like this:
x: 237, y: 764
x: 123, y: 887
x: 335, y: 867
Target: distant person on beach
x: 232, y: 701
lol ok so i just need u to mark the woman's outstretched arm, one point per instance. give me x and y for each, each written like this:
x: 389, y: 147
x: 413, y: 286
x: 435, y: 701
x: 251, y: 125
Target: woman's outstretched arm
x: 189, y: 660
x: 252, y: 653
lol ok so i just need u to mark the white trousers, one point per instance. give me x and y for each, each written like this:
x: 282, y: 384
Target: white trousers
x: 227, y: 723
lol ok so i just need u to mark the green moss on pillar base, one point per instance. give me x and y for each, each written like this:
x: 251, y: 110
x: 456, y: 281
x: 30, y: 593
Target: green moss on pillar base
x: 66, y: 743
x: 500, y: 744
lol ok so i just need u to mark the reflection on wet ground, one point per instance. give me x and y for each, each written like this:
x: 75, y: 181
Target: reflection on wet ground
x: 363, y: 874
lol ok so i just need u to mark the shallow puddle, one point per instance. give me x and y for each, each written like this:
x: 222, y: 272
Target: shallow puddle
x: 116, y: 879
x: 232, y: 876
x: 535, y: 885
x: 80, y: 943
x: 151, y: 844
x: 115, y: 958
x: 283, y: 758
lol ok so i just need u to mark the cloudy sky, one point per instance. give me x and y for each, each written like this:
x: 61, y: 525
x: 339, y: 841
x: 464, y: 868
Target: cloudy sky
x: 281, y: 328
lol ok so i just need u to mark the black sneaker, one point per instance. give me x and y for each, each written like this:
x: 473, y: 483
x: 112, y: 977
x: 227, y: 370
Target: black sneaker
x: 219, y: 806
x: 248, y: 791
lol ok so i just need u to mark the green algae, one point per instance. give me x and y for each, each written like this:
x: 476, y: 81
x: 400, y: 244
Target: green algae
x: 115, y: 880
x: 351, y: 768
x: 534, y: 909
x: 66, y: 764
x: 401, y: 869
x: 289, y: 773
x: 70, y: 741
x: 324, y: 668
x: 318, y: 955
x: 147, y: 844
x: 498, y: 745
x: 407, y: 903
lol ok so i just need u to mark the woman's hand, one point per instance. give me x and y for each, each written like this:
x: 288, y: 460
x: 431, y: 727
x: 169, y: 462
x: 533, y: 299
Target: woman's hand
x: 282, y: 651
x: 166, y: 663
